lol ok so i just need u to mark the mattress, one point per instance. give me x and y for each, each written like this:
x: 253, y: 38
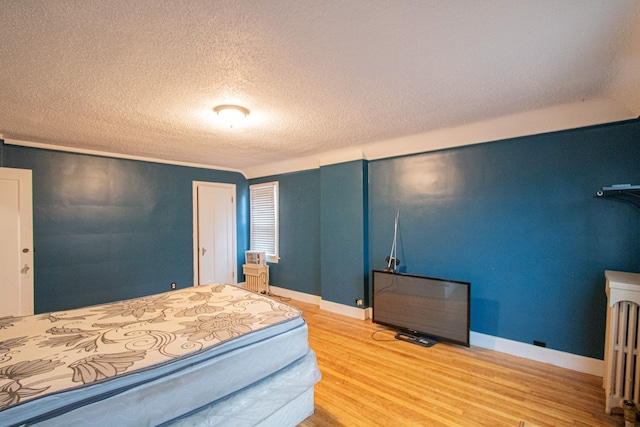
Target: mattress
x: 200, y: 344
x: 284, y: 398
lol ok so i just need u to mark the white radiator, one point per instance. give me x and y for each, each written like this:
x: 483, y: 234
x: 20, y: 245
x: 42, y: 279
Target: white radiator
x: 256, y: 277
x: 621, y: 379
x: 622, y: 376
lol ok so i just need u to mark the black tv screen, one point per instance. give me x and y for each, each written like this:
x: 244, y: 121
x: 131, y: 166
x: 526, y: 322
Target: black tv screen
x: 425, y: 306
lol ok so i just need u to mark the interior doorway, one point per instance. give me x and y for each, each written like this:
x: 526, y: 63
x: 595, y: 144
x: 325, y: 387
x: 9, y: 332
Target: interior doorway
x: 16, y: 244
x: 214, y: 233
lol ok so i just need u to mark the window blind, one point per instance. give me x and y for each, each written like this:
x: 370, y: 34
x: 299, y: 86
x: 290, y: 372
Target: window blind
x: 264, y: 218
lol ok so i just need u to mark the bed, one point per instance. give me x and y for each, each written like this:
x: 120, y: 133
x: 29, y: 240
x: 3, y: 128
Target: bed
x: 213, y: 355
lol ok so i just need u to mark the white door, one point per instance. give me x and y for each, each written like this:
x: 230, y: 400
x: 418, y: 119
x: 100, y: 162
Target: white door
x: 214, y: 233
x: 16, y: 242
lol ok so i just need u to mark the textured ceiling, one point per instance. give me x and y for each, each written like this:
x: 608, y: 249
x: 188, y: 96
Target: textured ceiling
x: 140, y: 78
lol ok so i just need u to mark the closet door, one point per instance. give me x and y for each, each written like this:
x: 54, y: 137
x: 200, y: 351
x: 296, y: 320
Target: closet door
x: 215, y: 233
x: 16, y: 244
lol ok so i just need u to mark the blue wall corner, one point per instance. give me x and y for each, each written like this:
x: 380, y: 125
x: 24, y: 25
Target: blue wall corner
x: 299, y: 265
x: 324, y: 232
x: 343, y: 219
x: 366, y: 286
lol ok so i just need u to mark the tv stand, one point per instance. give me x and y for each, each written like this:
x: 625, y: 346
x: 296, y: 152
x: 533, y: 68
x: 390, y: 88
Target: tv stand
x: 416, y: 339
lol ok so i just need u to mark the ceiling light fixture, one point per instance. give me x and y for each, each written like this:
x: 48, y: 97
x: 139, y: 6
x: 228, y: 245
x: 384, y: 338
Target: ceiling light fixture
x: 232, y: 115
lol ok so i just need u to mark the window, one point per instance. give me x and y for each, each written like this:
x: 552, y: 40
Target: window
x: 264, y: 219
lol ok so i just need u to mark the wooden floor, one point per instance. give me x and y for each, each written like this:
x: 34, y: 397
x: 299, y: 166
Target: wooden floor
x: 379, y: 381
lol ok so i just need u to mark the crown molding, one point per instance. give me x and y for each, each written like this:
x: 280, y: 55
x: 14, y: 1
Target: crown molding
x: 534, y: 122
x: 76, y: 150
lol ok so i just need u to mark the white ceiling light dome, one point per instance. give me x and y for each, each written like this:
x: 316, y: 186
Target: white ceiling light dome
x: 231, y: 115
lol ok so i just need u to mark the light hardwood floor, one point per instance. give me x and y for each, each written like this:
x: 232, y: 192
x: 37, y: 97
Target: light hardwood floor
x: 380, y: 381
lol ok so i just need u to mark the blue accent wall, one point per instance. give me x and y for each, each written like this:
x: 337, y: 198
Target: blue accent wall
x: 343, y: 217
x: 518, y: 219
x: 107, y: 229
x: 299, y: 265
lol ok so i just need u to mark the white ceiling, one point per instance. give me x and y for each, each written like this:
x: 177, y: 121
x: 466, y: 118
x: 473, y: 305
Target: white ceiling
x: 324, y: 80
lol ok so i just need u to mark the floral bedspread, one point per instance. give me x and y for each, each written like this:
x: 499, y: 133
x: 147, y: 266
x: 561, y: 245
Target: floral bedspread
x: 47, y: 353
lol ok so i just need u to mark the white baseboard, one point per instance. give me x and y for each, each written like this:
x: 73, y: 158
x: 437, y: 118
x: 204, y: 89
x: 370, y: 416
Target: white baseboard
x: 298, y: 296
x: 345, y: 310
x: 549, y: 356
x: 333, y: 307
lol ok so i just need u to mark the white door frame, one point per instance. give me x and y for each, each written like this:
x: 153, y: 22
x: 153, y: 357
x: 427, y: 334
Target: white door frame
x: 25, y: 206
x: 196, y: 251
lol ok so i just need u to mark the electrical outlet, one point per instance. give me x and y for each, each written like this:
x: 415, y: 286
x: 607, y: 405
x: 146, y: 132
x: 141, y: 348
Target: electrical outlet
x: 359, y: 302
x: 173, y: 286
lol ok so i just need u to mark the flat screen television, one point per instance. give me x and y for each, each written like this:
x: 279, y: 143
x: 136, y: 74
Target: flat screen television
x: 424, y: 310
